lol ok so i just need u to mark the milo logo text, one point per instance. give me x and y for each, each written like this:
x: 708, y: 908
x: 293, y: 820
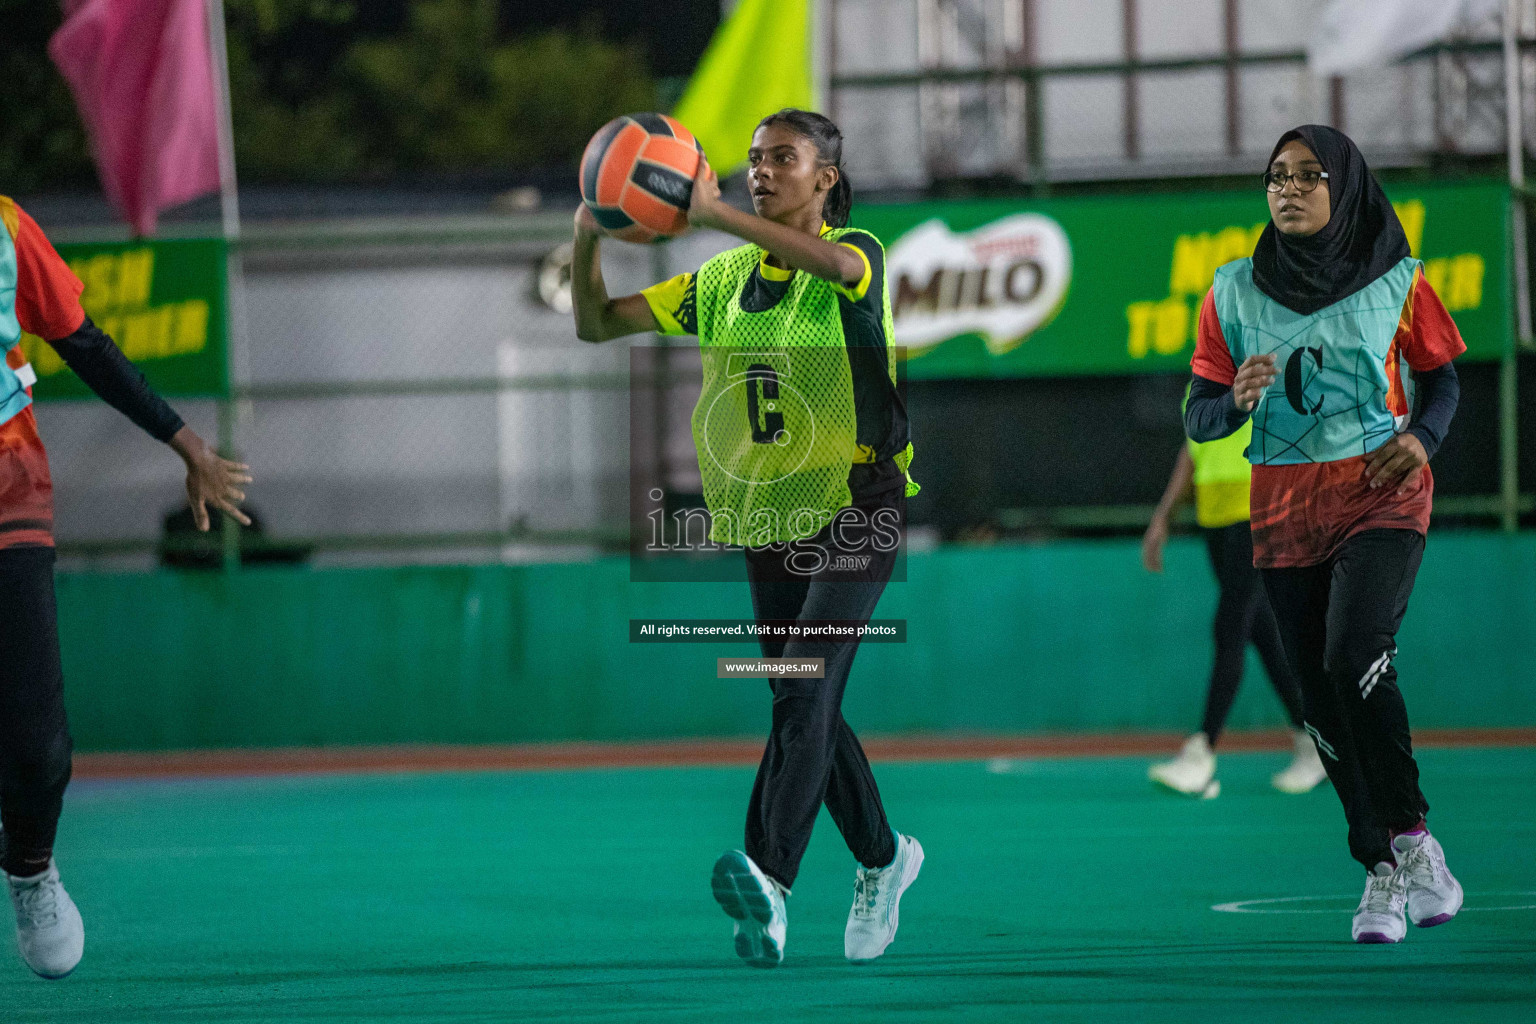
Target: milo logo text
x: 1002, y: 281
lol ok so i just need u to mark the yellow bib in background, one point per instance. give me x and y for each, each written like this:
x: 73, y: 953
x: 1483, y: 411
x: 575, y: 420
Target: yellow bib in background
x: 1222, y: 473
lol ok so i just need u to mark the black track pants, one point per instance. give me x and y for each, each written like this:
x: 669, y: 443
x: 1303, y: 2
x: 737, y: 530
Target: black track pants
x: 34, y: 734
x: 812, y: 755
x: 1339, y: 623
x: 1243, y: 616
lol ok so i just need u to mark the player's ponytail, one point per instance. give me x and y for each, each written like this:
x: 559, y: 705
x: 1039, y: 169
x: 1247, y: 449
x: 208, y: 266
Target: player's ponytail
x: 828, y: 141
x: 839, y: 202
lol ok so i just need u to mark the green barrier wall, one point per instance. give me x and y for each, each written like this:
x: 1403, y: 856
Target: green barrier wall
x: 1014, y: 638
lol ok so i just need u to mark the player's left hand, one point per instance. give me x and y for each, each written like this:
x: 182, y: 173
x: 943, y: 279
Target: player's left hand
x: 705, y: 200
x: 1400, y: 461
x: 211, y: 479
x: 1152, y: 543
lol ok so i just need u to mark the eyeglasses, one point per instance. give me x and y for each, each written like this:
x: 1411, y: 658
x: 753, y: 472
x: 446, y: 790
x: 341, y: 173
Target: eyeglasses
x: 1306, y: 181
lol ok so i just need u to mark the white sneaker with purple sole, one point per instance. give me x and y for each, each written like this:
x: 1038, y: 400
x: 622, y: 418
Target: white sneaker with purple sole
x: 1434, y: 895
x: 1379, y: 917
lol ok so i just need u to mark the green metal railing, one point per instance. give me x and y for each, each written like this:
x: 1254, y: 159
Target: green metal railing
x: 1055, y: 519
x: 529, y: 237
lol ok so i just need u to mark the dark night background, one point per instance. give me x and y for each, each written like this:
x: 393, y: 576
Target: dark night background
x: 337, y: 91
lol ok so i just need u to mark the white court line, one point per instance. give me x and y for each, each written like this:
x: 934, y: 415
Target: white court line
x: 1264, y: 905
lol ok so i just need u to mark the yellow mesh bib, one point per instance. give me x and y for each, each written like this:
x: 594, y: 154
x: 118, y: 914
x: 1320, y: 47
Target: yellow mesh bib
x: 775, y: 425
x: 1222, y: 477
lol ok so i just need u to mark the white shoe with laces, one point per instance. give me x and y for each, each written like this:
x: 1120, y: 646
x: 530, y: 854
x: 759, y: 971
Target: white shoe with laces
x: 1379, y: 917
x: 49, y: 931
x: 1193, y: 772
x: 877, y: 902
x: 1434, y: 895
x: 756, y: 902
x: 1306, y: 769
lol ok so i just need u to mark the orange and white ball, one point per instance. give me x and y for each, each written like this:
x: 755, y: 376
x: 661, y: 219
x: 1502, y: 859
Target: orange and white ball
x: 637, y: 177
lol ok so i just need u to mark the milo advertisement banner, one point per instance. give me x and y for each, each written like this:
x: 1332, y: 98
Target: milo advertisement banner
x: 162, y: 301
x: 1014, y: 287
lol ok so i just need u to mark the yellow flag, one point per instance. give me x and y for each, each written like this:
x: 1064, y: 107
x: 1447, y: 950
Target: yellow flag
x: 759, y: 61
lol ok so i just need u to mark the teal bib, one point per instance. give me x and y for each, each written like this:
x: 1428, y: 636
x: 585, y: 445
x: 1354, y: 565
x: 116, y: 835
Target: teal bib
x: 13, y: 390
x: 1329, y: 401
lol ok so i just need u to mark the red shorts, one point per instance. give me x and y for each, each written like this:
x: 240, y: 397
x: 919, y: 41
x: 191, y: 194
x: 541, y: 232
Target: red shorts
x: 1302, y: 513
x: 26, y: 489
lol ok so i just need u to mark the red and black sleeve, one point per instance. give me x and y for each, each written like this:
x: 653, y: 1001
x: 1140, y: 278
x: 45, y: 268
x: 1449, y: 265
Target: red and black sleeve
x: 48, y: 305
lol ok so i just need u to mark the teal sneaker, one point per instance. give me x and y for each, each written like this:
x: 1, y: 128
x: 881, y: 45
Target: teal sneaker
x: 756, y: 903
x: 877, y: 902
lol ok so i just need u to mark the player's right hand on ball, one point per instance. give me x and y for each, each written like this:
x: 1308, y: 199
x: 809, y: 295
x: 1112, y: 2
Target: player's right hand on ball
x: 1253, y: 378
x: 586, y: 224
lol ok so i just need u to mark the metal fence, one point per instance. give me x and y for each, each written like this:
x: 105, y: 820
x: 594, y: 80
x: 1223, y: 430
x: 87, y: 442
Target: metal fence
x: 413, y: 391
x: 401, y: 389
x: 1044, y: 91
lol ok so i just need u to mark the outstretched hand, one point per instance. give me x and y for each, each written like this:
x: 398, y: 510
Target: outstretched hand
x: 211, y: 479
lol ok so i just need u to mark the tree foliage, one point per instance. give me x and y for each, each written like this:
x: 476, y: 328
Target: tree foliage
x: 42, y: 144
x: 445, y: 95
x: 322, y: 91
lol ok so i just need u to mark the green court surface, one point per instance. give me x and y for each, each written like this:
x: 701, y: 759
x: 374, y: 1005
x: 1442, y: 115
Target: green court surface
x: 1053, y: 890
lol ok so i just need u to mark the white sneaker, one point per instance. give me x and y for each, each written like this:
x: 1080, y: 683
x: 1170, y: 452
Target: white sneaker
x: 1192, y: 772
x: 1434, y: 895
x: 757, y: 904
x: 1305, y: 770
x: 877, y: 901
x: 49, y: 931
x: 1379, y: 917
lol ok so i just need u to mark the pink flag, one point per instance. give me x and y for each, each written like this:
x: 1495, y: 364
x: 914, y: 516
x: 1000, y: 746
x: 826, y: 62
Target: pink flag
x: 142, y: 76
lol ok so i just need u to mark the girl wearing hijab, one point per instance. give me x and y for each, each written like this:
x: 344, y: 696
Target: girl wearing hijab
x: 1331, y: 340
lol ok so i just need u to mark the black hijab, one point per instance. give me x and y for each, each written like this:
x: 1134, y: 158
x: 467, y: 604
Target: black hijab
x: 1362, y: 240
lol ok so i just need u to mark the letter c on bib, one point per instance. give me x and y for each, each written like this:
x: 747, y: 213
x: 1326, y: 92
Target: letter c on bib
x: 1296, y: 385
